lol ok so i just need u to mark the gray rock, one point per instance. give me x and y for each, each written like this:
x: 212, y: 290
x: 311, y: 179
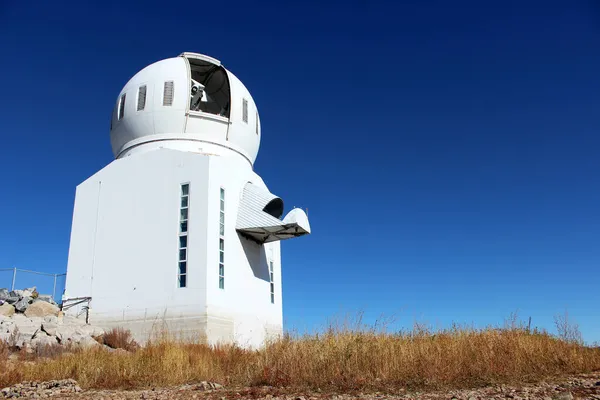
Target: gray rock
x: 23, y: 304
x: 12, y: 299
x: 50, y: 328
x: 7, y: 326
x: 7, y: 310
x: 70, y: 320
x: 47, y: 298
x: 89, y: 330
x: 51, y: 319
x: 65, y: 333
x: 4, y: 294
x: 87, y: 341
x: 16, y: 293
x: 41, y: 338
x: 26, y: 330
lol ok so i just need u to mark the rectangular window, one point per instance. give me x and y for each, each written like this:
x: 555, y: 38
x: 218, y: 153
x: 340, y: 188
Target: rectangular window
x: 245, y: 110
x: 257, y: 122
x: 222, y: 213
x: 222, y: 239
x: 272, y: 282
x: 168, y: 93
x: 141, y: 104
x: 121, y: 113
x: 183, y: 234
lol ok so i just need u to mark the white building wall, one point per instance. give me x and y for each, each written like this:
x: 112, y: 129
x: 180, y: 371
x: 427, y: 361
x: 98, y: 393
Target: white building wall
x: 246, y: 299
x: 124, y: 249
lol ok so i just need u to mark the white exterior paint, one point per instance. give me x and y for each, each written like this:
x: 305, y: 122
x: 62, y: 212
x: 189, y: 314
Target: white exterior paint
x: 125, y: 235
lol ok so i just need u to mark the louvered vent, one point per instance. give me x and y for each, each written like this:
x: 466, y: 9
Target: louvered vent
x: 141, y: 98
x: 168, y: 93
x: 245, y: 111
x: 121, y: 107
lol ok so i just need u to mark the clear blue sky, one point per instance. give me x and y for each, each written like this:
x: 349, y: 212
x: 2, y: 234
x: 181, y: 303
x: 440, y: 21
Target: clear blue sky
x: 448, y: 152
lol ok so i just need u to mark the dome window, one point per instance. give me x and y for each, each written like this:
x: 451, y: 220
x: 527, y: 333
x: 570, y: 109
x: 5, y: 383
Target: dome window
x: 141, y: 101
x: 245, y: 110
x: 121, y: 107
x: 168, y: 93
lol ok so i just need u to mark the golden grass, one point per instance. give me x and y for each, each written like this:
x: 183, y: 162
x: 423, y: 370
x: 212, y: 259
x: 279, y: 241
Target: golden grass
x: 336, y: 359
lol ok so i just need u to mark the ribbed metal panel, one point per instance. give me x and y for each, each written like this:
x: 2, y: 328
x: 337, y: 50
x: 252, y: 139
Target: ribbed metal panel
x: 168, y: 93
x: 251, y: 212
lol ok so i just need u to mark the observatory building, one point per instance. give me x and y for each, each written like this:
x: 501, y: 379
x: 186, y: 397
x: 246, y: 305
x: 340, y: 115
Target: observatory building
x: 179, y: 232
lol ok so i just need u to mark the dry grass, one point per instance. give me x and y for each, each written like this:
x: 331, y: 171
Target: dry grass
x: 340, y: 359
x: 118, y: 338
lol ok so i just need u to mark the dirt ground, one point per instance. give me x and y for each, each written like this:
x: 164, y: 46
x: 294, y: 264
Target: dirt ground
x: 575, y: 387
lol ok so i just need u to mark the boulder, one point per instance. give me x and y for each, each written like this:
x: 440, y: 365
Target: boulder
x: 47, y: 298
x: 50, y: 328
x: 65, y: 333
x: 16, y: 293
x: 26, y: 329
x: 51, y: 318
x: 87, y: 341
x: 70, y: 320
x: 5, y: 337
x: 7, y: 310
x: 12, y: 300
x: 41, y: 309
x: 4, y: 294
x: 7, y: 326
x: 89, y: 330
x: 41, y: 338
x: 23, y: 304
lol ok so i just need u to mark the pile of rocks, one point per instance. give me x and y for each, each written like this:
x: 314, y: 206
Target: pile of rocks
x: 20, y: 300
x: 30, y: 320
x: 41, y: 389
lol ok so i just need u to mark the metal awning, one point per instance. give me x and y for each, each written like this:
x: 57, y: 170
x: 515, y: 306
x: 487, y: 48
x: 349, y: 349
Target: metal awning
x: 258, y: 217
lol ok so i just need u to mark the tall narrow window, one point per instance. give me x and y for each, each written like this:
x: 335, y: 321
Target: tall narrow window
x: 183, y: 234
x: 245, y: 110
x: 222, y: 240
x: 168, y: 93
x: 141, y: 104
x: 257, y: 122
x: 272, y: 282
x: 121, y: 107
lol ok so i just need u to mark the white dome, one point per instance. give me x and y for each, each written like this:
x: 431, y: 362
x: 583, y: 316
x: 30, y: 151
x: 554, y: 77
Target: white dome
x: 188, y: 103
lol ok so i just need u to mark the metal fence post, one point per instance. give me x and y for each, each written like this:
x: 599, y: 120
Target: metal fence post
x: 54, y: 288
x: 14, y: 278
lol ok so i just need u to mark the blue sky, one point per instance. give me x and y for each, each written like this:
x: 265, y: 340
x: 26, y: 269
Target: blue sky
x: 447, y: 151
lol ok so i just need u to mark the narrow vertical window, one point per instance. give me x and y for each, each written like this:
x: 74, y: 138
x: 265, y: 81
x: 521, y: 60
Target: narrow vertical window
x: 168, y: 93
x: 183, y: 234
x: 245, y: 110
x: 121, y: 107
x: 222, y: 240
x: 141, y: 103
x: 272, y: 280
x: 222, y: 214
x: 257, y: 122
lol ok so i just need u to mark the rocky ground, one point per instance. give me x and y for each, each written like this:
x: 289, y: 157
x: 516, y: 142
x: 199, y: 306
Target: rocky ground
x: 576, y: 387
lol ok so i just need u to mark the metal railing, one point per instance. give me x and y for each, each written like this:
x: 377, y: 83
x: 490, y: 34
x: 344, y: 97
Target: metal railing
x: 15, y: 270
